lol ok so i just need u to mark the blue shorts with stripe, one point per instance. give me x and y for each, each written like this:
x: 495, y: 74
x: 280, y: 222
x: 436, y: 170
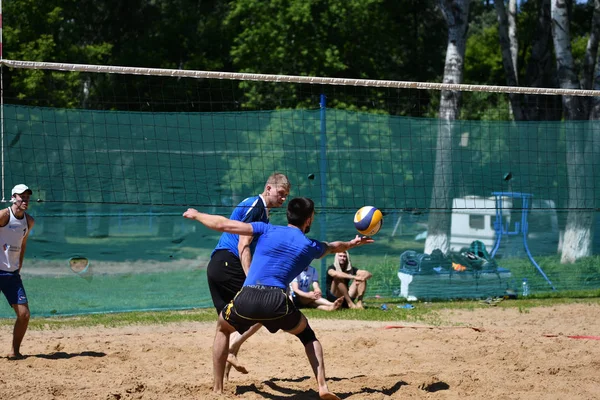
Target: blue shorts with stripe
x: 12, y: 287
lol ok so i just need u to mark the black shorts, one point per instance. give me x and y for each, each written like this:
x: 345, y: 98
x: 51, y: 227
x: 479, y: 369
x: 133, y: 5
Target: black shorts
x: 267, y: 305
x: 297, y: 302
x: 225, y: 278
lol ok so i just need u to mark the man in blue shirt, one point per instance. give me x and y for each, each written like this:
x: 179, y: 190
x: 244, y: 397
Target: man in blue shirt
x: 282, y: 252
x: 230, y: 260
x: 306, y: 292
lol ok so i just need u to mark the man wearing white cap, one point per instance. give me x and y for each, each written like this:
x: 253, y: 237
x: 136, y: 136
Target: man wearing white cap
x: 15, y: 225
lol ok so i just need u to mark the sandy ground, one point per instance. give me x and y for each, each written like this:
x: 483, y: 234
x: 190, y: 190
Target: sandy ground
x: 512, y: 354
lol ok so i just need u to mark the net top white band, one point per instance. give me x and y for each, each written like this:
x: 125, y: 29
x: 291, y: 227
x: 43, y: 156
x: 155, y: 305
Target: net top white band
x: 294, y: 79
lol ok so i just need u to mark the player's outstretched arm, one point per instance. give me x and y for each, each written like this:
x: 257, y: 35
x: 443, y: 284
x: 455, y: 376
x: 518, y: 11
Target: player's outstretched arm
x: 219, y: 223
x: 338, y: 247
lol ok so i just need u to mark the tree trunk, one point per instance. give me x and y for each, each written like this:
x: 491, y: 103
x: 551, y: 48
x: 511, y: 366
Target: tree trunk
x: 512, y: 34
x: 578, y: 237
x: 591, y: 50
x: 595, y: 101
x: 539, y: 70
x: 578, y: 232
x: 509, y: 47
x: 595, y: 105
x: 456, y: 13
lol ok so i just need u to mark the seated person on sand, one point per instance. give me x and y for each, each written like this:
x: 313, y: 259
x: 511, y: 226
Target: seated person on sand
x: 303, y: 297
x: 338, y: 281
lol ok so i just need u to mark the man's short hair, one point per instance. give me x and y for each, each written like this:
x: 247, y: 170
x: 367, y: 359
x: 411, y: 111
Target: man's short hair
x: 279, y: 179
x: 299, y: 210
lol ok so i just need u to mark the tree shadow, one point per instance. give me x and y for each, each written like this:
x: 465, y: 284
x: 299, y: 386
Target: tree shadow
x: 295, y: 394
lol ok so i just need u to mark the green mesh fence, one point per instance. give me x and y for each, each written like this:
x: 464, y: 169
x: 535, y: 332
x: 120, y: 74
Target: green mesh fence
x: 112, y: 187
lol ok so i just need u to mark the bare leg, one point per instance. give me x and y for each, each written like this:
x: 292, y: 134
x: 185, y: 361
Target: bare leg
x: 220, y: 352
x: 232, y: 361
x: 337, y: 304
x: 314, y: 352
x: 358, y: 289
x: 326, y: 305
x: 339, y: 289
x: 21, y: 324
x: 234, y: 347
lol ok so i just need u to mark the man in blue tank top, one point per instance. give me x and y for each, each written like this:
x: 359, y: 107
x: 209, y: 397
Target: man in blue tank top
x: 15, y: 225
x: 282, y: 252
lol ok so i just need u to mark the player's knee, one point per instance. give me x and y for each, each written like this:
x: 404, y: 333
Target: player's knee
x: 363, y: 274
x: 307, y: 335
x: 23, y: 314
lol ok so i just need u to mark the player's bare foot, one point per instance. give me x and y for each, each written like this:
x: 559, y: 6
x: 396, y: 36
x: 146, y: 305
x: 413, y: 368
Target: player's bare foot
x: 352, y: 306
x: 15, y: 356
x: 327, y: 395
x: 232, y: 361
x: 338, y: 303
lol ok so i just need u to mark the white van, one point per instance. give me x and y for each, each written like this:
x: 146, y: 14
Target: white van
x: 473, y: 219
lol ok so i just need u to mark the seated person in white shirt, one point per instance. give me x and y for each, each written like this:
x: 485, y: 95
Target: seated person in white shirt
x: 302, y: 295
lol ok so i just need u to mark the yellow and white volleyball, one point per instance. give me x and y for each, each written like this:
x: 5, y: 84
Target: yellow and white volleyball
x: 368, y: 220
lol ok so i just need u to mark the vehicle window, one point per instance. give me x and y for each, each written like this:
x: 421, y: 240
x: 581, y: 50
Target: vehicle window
x: 477, y: 221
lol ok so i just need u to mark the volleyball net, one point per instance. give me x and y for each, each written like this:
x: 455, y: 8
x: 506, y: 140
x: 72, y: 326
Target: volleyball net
x: 115, y: 155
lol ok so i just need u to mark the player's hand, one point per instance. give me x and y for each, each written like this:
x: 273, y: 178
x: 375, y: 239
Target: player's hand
x: 318, y: 294
x: 360, y: 240
x: 190, y: 213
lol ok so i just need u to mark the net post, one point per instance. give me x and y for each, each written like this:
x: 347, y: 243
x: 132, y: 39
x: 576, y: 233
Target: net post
x: 1, y: 108
x: 323, y: 177
x: 523, y: 229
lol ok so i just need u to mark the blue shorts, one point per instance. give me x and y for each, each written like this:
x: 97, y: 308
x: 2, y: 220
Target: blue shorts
x: 12, y: 287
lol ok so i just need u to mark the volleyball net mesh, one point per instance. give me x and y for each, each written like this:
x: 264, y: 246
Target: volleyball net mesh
x: 115, y: 155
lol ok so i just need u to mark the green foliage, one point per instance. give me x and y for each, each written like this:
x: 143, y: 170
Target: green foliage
x: 372, y: 39
x: 483, y: 59
x: 358, y: 39
x: 145, y: 33
x: 292, y: 36
x: 39, y: 35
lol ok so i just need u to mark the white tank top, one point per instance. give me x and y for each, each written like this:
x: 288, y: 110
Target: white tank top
x: 11, y: 238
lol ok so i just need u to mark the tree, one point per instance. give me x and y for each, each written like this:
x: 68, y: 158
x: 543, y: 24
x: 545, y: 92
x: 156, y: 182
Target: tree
x: 372, y: 39
x: 523, y: 58
x: 456, y: 13
x: 578, y: 235
x: 510, y: 49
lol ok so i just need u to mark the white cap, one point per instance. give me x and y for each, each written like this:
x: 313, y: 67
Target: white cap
x: 20, y: 189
